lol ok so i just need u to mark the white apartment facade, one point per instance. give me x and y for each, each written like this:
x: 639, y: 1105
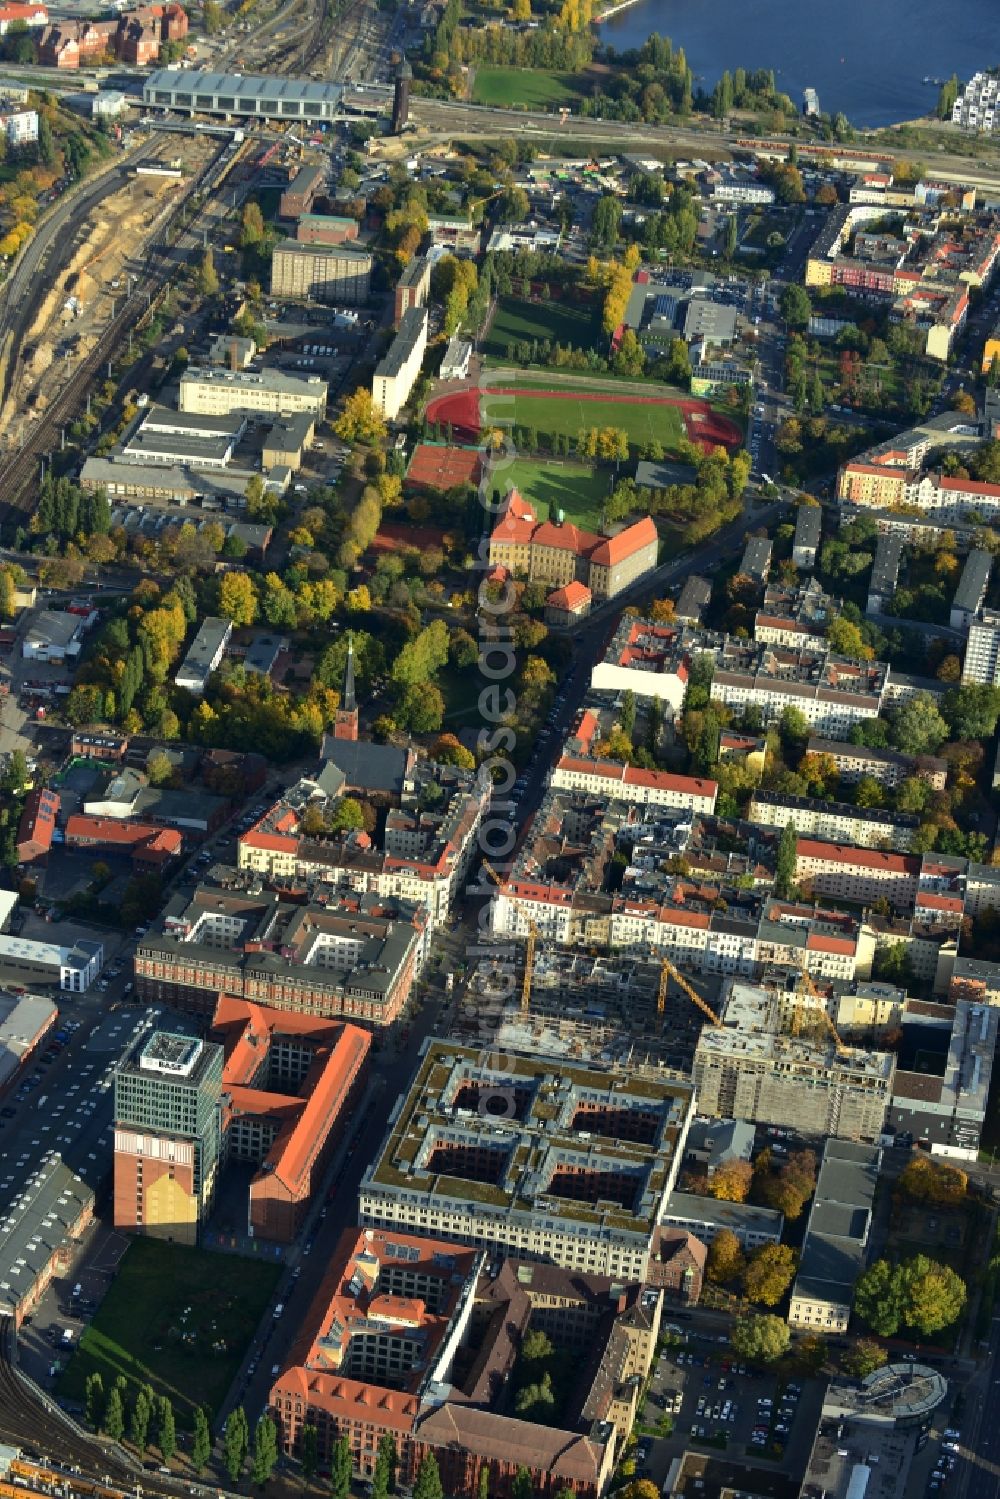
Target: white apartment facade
x: 220, y: 392
x: 838, y: 822
x: 647, y: 788
x: 395, y: 375
x: 857, y: 874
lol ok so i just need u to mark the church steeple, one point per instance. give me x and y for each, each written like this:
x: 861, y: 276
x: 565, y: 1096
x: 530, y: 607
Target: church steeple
x: 345, y: 724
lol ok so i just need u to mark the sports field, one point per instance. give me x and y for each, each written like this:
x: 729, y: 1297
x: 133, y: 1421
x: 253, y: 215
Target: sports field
x: 518, y: 321
x: 529, y: 87
x: 177, y: 1318
x: 574, y: 488
x: 566, y: 409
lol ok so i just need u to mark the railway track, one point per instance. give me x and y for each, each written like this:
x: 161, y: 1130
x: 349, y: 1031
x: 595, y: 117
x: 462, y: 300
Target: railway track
x: 19, y: 472
x: 40, y: 1428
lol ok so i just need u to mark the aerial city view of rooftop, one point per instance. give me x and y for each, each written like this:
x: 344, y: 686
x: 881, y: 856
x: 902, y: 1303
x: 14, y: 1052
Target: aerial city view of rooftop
x: 499, y: 749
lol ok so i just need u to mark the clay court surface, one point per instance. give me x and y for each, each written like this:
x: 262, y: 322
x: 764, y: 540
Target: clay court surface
x: 439, y: 466
x: 567, y: 410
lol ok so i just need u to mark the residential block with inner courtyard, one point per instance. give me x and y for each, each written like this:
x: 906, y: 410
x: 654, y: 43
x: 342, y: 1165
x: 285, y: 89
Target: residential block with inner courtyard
x: 544, y: 1159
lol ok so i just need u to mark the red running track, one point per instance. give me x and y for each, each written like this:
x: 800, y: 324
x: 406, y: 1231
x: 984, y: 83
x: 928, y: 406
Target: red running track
x: 704, y: 426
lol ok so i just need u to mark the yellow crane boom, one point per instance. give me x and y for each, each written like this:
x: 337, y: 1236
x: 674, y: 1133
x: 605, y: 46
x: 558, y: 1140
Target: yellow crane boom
x: 668, y: 972
x: 532, y: 943
x: 807, y: 983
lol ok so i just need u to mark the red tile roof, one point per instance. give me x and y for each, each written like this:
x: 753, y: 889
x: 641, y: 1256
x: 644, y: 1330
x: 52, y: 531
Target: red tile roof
x: 247, y: 1032
x: 38, y: 821
x: 632, y: 775
x: 573, y: 596
x: 846, y: 853
x: 609, y: 553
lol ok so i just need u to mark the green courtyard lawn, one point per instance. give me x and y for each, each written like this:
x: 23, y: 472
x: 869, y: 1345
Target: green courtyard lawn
x: 460, y: 690
x: 568, y: 412
x: 575, y: 488
x: 517, y: 320
x: 176, y: 1318
x: 531, y: 88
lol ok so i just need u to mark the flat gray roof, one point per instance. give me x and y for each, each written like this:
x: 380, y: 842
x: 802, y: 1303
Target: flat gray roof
x: 36, y: 1225
x: 248, y: 379
x: 712, y: 320
x: 808, y: 526
x: 411, y: 326
x: 247, y: 88
x: 322, y: 252
x: 196, y: 423
x: 971, y: 589
x: 885, y: 568
x: 180, y: 446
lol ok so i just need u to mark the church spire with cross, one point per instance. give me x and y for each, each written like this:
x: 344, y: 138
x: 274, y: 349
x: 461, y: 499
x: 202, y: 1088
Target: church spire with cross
x: 345, y: 724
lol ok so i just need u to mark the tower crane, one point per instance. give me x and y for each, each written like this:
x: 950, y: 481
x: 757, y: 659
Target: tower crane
x: 842, y: 1048
x: 529, y: 954
x: 668, y: 972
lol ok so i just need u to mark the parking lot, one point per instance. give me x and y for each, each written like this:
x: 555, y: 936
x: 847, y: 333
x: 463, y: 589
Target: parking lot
x: 724, y: 1407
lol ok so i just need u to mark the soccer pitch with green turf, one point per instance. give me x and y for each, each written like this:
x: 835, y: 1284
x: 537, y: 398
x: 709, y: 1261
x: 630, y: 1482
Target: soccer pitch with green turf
x: 566, y: 413
x: 176, y: 1318
x: 574, y: 488
x: 519, y: 321
x: 530, y: 87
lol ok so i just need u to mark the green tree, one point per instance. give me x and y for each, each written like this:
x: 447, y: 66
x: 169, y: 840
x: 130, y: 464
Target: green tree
x: 606, y: 222
x: 845, y: 639
x: 627, y: 716
x: 933, y: 1295
x: 864, y: 1358
x: 142, y: 1411
x: 423, y: 656
x: 427, y: 1484
x: 522, y: 1486
x: 265, y: 1451
x: 917, y: 726
x: 114, y: 1415
x: 341, y: 1468
x: 971, y: 712
x: 201, y: 1446
x: 726, y: 1260
x: 786, y: 861
x: 877, y: 1298
x: 252, y: 226
x: 348, y: 816
x: 796, y: 308
x: 483, y: 1484
x: 7, y: 589
x: 384, y: 1476
x: 309, y: 1454
x: 732, y: 236
x: 536, y: 1401
x: 207, y: 279
x: 420, y: 709
x: 166, y: 1435
x: 769, y: 1273
x: 235, y: 1443
x: 93, y: 1396
x: 238, y: 598
x: 762, y: 1338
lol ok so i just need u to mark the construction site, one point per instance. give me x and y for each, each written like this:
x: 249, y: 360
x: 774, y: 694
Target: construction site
x: 585, y: 1004
x: 104, y: 265
x: 777, y: 1058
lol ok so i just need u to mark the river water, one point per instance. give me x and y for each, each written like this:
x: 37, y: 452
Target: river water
x: 867, y: 58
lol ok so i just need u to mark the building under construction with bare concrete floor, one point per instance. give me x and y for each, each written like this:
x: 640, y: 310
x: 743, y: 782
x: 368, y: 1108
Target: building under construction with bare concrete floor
x: 752, y: 1067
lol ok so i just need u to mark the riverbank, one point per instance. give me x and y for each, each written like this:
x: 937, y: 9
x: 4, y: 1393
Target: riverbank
x: 612, y: 10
